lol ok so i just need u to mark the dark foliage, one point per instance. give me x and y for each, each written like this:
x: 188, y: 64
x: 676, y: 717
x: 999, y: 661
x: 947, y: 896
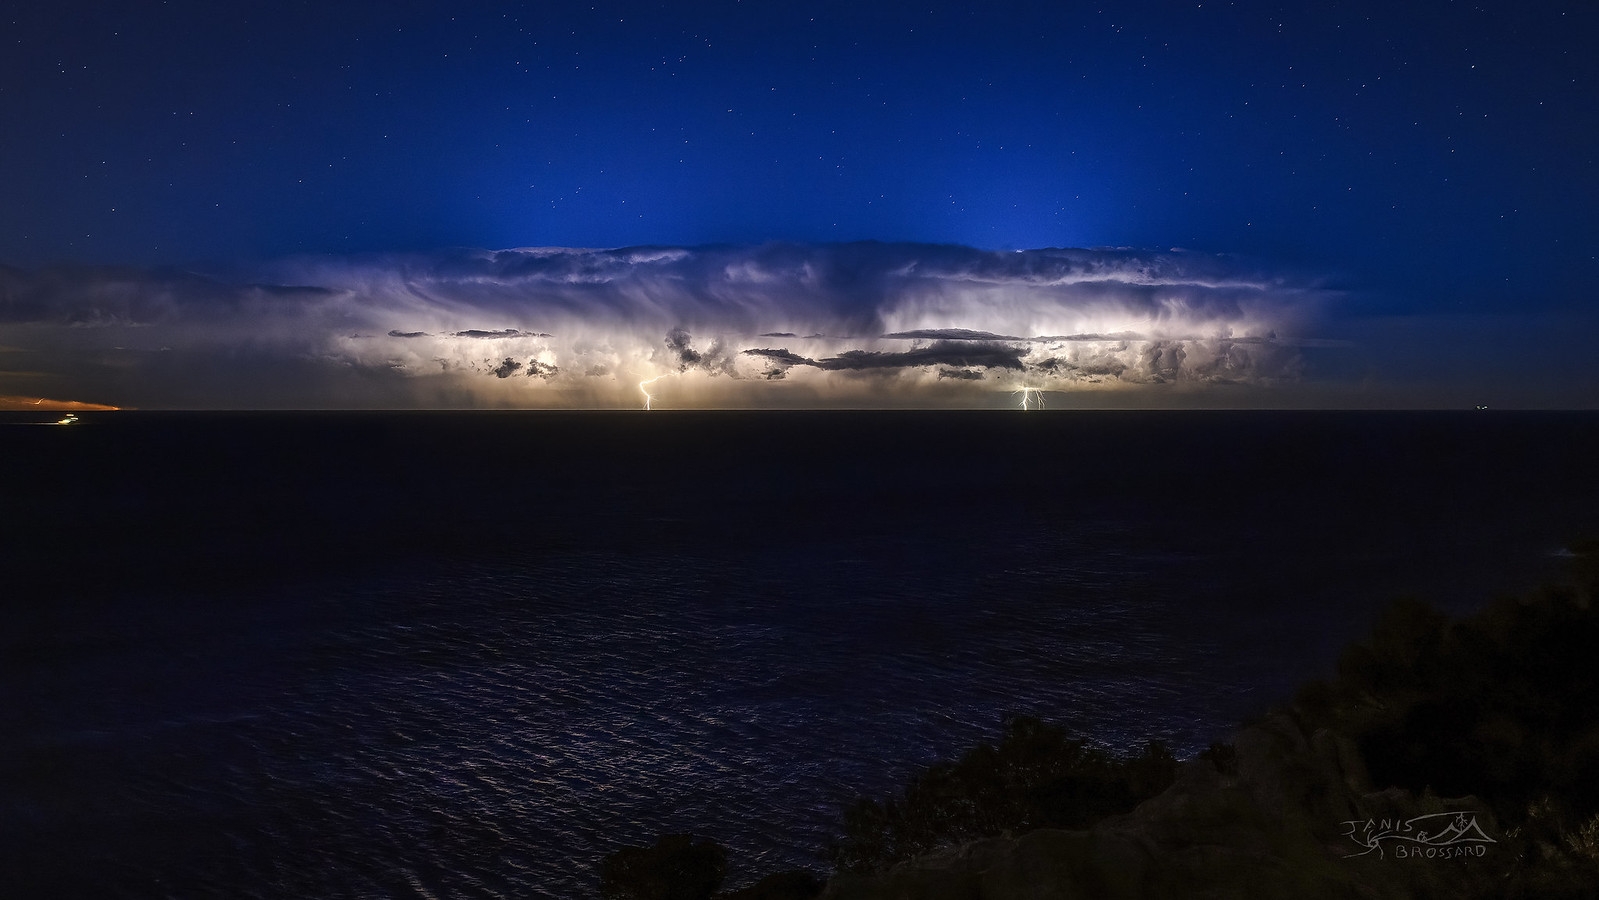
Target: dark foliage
x: 793, y: 885
x: 1223, y: 757
x: 1036, y: 777
x: 1503, y: 706
x: 676, y: 868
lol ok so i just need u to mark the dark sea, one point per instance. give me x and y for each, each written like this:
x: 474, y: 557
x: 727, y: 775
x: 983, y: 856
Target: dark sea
x: 468, y: 654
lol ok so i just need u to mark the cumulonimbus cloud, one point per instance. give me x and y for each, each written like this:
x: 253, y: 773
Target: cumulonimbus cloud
x: 777, y: 324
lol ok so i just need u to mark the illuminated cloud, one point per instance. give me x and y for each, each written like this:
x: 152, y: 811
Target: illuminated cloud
x: 774, y: 325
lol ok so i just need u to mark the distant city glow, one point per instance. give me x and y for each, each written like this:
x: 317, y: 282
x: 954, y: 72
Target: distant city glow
x: 38, y: 404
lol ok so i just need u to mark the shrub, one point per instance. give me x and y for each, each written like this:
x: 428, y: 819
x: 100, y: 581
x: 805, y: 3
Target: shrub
x: 1503, y: 705
x: 1036, y: 777
x: 792, y: 885
x: 1222, y: 757
x: 676, y: 868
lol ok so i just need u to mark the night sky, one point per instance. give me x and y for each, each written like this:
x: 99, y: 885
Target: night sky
x: 1399, y: 201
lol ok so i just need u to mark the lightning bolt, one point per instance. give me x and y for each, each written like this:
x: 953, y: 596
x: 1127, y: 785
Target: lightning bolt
x: 1031, y: 397
x: 648, y: 397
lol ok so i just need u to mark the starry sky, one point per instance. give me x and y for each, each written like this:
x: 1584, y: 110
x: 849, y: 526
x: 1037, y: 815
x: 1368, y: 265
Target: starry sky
x: 1425, y: 172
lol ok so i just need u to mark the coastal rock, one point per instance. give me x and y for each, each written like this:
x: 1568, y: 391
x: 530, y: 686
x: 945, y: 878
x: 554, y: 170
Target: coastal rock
x: 1288, y: 824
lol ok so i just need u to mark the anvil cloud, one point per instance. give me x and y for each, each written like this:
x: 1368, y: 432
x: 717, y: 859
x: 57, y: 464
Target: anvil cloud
x: 724, y: 326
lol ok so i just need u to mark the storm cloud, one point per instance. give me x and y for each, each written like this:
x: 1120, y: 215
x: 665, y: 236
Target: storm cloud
x: 982, y: 354
x: 891, y: 323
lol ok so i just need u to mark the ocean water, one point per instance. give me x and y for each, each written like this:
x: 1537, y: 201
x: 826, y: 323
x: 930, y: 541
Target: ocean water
x: 468, y: 654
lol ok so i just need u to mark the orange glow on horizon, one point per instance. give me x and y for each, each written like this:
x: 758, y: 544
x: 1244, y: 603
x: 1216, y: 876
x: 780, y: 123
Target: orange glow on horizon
x: 12, y: 403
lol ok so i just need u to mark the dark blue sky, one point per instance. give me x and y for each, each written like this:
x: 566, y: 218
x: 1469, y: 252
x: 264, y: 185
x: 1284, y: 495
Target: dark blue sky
x: 1445, y: 150
x: 1422, y: 158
